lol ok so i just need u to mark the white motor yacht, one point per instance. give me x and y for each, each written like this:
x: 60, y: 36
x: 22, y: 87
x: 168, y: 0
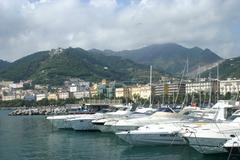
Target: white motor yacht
x: 164, y: 115
x: 60, y: 121
x: 166, y: 134
x: 105, y: 124
x: 210, y: 138
x: 85, y: 122
x: 161, y: 133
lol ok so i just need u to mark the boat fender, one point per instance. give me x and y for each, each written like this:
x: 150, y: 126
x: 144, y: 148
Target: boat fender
x: 232, y: 136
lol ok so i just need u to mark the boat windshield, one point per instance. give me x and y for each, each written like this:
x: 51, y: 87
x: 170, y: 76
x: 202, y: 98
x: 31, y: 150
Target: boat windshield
x: 194, y: 114
x: 230, y: 112
x: 165, y: 110
x: 234, y: 115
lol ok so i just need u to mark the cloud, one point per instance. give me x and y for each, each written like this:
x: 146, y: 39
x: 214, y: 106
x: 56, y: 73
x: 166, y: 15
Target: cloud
x: 103, y: 3
x: 28, y: 26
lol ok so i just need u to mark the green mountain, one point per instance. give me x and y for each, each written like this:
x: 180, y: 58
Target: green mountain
x: 3, y: 64
x: 168, y: 57
x: 56, y: 66
x: 229, y: 68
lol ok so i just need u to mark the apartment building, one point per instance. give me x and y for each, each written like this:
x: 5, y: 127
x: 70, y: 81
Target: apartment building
x: 230, y: 85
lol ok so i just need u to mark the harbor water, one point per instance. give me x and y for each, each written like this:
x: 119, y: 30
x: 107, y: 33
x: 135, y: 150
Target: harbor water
x: 34, y: 138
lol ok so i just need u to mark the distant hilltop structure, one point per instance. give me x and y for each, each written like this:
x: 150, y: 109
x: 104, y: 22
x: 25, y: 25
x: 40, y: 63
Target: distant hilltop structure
x: 56, y: 51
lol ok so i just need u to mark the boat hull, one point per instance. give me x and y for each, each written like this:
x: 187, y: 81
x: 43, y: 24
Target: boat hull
x: 83, y: 125
x: 233, y: 145
x: 118, y: 128
x: 61, y: 124
x: 151, y: 138
x: 104, y: 128
x: 207, y: 145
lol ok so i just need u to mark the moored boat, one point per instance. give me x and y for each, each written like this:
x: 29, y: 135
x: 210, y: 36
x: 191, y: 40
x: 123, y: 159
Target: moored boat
x: 210, y: 138
x: 153, y: 135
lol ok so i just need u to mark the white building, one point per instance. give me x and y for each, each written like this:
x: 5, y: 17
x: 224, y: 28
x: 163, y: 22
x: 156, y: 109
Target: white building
x: 73, y: 88
x: 40, y: 97
x: 82, y: 94
x: 6, y: 83
x: 63, y: 95
x: 41, y: 87
x: 206, y: 86
x: 229, y: 85
x: 8, y: 97
x: 143, y: 91
x: 52, y: 96
x: 16, y: 85
x: 121, y: 92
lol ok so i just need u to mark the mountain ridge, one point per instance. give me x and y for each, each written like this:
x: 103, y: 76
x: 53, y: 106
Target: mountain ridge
x: 4, y: 64
x: 56, y: 66
x: 169, y: 57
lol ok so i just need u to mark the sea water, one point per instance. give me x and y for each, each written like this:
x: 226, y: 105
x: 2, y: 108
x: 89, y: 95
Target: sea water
x: 34, y: 138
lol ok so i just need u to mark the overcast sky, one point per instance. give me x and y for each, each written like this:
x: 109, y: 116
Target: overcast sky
x: 28, y: 26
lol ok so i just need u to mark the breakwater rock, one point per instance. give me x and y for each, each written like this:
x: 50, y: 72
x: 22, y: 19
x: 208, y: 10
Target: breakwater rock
x: 61, y: 110
x: 57, y: 110
x: 46, y: 110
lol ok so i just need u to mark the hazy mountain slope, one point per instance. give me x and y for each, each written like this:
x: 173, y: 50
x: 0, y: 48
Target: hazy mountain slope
x: 168, y: 57
x: 230, y: 68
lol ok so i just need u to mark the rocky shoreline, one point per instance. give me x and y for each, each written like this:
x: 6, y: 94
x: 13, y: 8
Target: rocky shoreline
x: 45, y: 110
x: 54, y: 110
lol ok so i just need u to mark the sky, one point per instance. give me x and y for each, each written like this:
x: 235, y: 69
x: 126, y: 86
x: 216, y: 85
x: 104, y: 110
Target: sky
x: 28, y: 26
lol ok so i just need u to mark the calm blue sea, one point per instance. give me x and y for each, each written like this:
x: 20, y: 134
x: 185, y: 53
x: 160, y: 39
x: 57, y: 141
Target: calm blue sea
x: 33, y: 138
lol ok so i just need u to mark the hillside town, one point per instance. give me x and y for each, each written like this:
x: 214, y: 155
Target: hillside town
x: 79, y: 89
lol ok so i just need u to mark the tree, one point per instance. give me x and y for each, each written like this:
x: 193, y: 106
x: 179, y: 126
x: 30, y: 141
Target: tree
x: 228, y: 96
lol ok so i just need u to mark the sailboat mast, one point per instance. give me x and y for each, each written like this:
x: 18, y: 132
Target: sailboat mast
x: 187, y: 67
x: 186, y: 95
x: 217, y: 82
x: 150, y: 98
x: 200, y: 87
x: 210, y: 90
